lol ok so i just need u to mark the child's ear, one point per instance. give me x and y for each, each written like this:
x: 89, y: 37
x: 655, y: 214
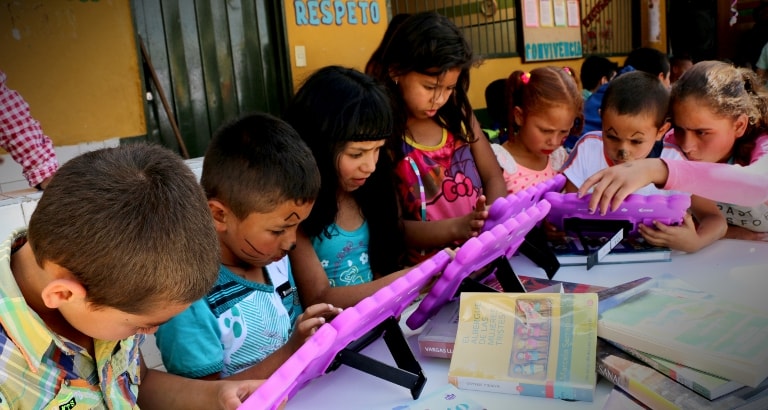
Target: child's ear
x: 519, y: 116
x: 663, y: 130
x: 219, y: 212
x: 60, y: 291
x: 740, y: 125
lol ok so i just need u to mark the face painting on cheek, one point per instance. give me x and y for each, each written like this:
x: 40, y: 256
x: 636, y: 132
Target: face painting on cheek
x: 248, y: 253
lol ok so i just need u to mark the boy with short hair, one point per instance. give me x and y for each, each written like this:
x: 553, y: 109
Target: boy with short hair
x: 634, y: 120
x: 119, y: 243
x: 261, y: 181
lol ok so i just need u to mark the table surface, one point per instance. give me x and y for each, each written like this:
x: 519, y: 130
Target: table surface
x: 730, y: 269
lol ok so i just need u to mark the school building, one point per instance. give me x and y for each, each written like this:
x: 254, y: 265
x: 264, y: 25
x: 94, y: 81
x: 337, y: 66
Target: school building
x: 98, y: 73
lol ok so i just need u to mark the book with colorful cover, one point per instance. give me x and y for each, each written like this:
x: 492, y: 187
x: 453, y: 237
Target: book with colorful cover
x: 533, y: 344
x: 659, y: 392
x: 439, y: 334
x: 671, y: 319
x: 707, y: 385
x: 571, y: 251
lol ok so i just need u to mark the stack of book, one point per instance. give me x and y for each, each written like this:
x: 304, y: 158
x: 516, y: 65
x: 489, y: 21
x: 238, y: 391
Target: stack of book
x: 670, y: 346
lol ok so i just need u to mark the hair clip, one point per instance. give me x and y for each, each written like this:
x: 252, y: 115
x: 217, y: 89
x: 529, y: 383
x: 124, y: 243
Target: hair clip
x: 568, y: 70
x: 525, y: 77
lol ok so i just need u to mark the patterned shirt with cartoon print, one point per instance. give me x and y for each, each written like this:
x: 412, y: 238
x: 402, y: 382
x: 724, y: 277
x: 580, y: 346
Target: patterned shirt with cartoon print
x: 437, y: 182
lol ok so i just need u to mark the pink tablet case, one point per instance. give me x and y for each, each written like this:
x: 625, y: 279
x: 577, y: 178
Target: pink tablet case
x: 504, y: 208
x: 313, y: 358
x: 503, y: 239
x: 636, y: 209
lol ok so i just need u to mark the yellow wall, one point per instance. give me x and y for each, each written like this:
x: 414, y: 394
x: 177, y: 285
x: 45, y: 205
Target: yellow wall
x: 76, y: 65
x: 351, y: 44
x: 331, y: 37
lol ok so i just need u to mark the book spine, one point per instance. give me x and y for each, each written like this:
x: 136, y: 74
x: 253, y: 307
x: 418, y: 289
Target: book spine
x: 547, y: 389
x: 636, y: 388
x: 671, y: 373
x: 432, y: 348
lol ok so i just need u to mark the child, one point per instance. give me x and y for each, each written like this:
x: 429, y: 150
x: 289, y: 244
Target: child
x: 720, y: 114
x: 354, y: 230
x: 445, y: 166
x: 544, y: 108
x: 634, y: 123
x: 261, y: 182
x: 644, y: 59
x: 596, y: 71
x: 120, y: 242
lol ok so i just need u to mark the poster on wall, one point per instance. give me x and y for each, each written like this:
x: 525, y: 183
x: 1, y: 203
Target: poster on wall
x: 551, y: 30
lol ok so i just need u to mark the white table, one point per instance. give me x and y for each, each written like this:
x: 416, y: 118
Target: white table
x: 731, y: 269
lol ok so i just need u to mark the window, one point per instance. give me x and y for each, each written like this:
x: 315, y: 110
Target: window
x: 490, y: 25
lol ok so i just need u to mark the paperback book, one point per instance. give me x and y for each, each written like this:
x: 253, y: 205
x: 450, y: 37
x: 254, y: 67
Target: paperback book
x: 571, y: 251
x: 670, y: 319
x: 439, y: 334
x: 533, y: 344
x: 707, y: 385
x: 659, y: 392
x: 618, y: 399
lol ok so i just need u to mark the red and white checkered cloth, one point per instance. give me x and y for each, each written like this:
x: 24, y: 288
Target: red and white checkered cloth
x: 22, y: 137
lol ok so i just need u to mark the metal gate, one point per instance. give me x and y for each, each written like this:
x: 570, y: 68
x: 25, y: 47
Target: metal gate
x: 215, y: 60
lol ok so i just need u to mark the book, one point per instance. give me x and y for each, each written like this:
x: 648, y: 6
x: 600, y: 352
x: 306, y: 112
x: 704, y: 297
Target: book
x: 533, y: 284
x: 533, y: 344
x: 671, y: 319
x: 447, y: 397
x: 439, y: 334
x: 571, y: 251
x: 659, y: 392
x: 618, y: 399
x: 707, y: 385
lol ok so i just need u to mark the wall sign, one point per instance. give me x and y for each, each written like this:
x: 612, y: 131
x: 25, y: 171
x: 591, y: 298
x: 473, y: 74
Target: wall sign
x: 551, y: 30
x: 336, y: 12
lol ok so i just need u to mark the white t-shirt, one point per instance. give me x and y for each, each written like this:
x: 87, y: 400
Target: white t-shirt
x: 587, y: 158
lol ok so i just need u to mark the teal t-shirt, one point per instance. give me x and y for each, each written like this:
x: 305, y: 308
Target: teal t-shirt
x: 235, y: 326
x: 344, y: 255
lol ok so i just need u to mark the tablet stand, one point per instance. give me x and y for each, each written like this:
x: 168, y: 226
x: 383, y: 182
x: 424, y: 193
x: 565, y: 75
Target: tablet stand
x: 341, y: 340
x: 476, y: 253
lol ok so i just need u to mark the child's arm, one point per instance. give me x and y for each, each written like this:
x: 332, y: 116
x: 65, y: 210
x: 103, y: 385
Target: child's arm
x: 437, y: 234
x: 161, y: 390
x: 487, y: 165
x: 306, y: 325
x: 738, y: 232
x: 720, y: 182
x: 688, y: 237
x: 312, y: 282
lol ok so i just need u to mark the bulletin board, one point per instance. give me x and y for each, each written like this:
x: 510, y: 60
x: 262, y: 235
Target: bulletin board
x: 549, y: 30
x: 76, y: 63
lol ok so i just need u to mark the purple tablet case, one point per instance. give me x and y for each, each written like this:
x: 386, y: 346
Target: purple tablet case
x: 635, y: 210
x: 507, y: 207
x: 322, y: 350
x: 502, y: 240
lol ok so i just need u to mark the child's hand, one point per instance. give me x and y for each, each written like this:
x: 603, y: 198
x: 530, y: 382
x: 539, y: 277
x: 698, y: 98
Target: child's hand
x: 307, y: 323
x: 683, y: 237
x: 470, y: 225
x: 612, y: 185
x: 231, y: 394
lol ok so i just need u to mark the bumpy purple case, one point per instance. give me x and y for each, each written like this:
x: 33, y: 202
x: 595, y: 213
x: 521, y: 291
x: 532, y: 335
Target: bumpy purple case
x: 313, y: 358
x: 504, y: 208
x: 636, y: 209
x: 502, y: 240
